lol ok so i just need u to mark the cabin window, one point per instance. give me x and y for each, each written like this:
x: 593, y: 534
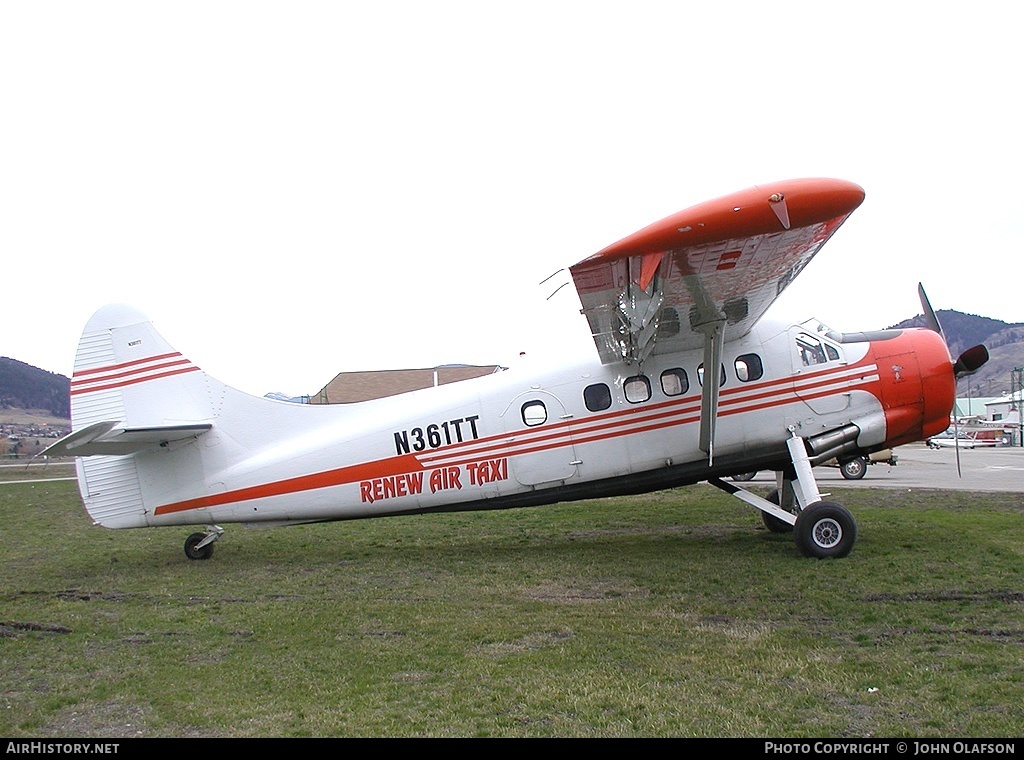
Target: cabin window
x: 721, y: 377
x: 597, y: 397
x: 534, y: 413
x: 674, y: 382
x: 749, y: 367
x: 637, y: 389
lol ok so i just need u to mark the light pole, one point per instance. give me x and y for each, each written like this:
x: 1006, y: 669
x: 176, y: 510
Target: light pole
x: 1017, y: 391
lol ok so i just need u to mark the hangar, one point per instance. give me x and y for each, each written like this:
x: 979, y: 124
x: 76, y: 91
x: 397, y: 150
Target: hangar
x: 351, y: 387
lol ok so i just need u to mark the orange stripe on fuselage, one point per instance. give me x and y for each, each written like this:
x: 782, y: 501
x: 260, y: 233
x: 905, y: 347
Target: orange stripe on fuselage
x: 338, y: 477
x: 618, y: 424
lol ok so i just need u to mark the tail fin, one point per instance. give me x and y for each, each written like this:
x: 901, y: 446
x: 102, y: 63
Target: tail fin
x: 126, y: 371
x: 131, y: 391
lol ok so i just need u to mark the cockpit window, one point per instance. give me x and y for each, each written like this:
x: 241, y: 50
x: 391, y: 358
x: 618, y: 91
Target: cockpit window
x: 815, y: 351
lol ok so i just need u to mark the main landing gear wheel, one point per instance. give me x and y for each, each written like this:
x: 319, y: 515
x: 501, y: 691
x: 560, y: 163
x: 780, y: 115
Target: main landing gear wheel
x: 825, y: 529
x: 194, y: 551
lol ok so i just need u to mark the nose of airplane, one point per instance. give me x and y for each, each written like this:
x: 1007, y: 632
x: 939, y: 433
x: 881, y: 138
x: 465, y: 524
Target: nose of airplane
x: 916, y: 383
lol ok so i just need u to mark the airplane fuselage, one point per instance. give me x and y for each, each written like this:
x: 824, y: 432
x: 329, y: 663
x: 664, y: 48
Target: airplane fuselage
x: 161, y: 442
x: 523, y: 437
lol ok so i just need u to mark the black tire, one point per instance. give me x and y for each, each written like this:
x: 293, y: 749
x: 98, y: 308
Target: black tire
x: 190, y: 547
x: 743, y: 477
x: 825, y: 529
x: 855, y: 469
x: 771, y: 522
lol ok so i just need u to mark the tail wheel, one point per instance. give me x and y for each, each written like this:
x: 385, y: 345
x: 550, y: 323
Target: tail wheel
x: 771, y: 522
x: 194, y: 551
x: 825, y: 529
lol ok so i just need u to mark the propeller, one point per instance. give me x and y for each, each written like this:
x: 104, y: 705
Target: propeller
x: 969, y: 362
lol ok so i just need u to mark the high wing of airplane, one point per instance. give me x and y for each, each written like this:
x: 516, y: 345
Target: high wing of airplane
x: 707, y: 275
x: 160, y: 442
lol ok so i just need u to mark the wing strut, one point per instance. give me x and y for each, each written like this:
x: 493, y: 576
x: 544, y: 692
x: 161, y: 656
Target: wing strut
x: 708, y: 319
x: 714, y: 340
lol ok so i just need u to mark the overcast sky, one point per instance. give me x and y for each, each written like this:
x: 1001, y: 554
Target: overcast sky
x: 291, y: 190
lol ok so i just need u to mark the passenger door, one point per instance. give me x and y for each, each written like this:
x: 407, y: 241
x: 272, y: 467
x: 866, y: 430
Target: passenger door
x: 540, y: 439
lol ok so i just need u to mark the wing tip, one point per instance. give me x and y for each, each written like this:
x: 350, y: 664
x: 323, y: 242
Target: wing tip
x: 754, y: 211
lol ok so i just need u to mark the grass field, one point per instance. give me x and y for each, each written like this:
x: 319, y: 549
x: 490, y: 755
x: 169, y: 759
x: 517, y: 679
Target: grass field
x: 671, y: 614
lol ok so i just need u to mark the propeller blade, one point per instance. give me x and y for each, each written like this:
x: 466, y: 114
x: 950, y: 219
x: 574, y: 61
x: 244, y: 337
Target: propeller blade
x: 970, y: 361
x: 929, y: 313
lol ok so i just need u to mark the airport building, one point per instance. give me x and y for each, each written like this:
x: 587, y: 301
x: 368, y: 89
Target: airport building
x: 351, y: 387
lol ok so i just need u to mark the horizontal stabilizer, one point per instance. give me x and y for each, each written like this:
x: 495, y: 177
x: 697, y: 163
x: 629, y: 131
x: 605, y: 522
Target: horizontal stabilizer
x: 107, y: 438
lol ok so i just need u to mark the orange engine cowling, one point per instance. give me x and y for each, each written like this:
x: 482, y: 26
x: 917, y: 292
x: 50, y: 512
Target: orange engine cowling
x: 917, y: 388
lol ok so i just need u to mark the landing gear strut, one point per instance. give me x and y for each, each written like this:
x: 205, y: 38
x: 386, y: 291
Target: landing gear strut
x: 821, y: 529
x: 200, y: 545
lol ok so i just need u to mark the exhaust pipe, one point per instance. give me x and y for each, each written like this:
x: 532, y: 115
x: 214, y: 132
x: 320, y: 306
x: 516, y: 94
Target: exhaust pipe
x: 834, y: 443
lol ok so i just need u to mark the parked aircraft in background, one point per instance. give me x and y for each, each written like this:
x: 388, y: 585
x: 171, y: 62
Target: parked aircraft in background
x: 851, y: 469
x: 690, y: 383
x: 949, y: 439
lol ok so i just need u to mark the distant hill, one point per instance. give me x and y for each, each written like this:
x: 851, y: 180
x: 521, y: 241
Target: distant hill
x: 1005, y: 343
x: 23, y: 386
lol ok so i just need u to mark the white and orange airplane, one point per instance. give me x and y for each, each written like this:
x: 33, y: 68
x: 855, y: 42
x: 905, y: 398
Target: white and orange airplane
x: 161, y: 443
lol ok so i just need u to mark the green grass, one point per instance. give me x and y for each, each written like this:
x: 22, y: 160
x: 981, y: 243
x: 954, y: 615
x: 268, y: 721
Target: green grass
x: 671, y: 614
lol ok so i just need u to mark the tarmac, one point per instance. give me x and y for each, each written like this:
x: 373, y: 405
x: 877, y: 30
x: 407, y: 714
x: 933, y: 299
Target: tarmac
x: 994, y: 468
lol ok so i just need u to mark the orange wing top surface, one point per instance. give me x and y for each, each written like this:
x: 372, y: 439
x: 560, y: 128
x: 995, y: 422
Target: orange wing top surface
x: 723, y: 262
